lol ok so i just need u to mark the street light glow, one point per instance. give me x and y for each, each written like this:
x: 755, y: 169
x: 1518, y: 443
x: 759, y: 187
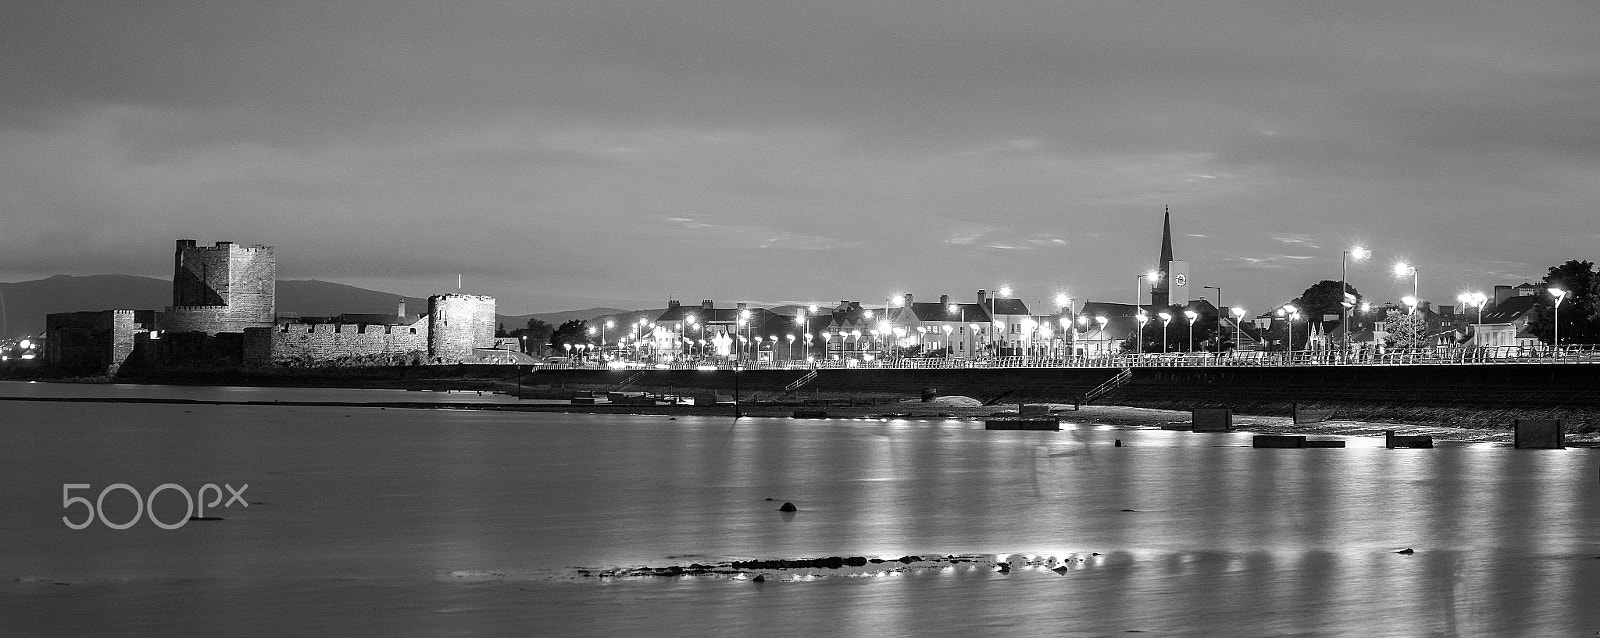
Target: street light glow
x: 1358, y: 253
x: 1402, y: 269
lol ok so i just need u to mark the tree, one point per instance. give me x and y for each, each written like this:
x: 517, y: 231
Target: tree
x: 1323, y: 299
x: 1580, y: 310
x: 536, y: 336
x: 1406, y: 329
x: 1177, y: 332
x: 573, y: 332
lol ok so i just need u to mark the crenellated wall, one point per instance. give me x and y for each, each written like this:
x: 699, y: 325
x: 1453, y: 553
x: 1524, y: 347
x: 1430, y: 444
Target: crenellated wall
x: 291, y: 343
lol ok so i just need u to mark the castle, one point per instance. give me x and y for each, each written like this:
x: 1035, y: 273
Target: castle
x: 224, y: 312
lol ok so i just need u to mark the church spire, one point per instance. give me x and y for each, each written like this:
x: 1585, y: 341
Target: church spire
x: 1160, y: 290
x: 1166, y: 238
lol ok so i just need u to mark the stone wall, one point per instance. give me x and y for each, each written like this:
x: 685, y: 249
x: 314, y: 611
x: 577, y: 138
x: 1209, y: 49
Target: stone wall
x: 207, y: 319
x: 332, y: 343
x: 92, y: 342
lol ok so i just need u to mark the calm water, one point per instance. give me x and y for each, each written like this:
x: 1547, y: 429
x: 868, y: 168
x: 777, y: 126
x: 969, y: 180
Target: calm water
x: 381, y: 522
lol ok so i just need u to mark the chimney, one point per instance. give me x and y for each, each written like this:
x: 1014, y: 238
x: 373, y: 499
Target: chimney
x: 672, y: 303
x: 705, y: 304
x: 983, y: 296
x: 908, y: 299
x: 400, y: 308
x: 944, y: 300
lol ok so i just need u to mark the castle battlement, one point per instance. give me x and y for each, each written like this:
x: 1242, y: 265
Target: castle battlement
x: 217, y: 308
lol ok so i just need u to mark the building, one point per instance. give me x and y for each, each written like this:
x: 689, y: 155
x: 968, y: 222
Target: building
x: 706, y: 331
x: 943, y: 329
x: 224, y: 313
x: 1506, y: 324
x: 222, y: 288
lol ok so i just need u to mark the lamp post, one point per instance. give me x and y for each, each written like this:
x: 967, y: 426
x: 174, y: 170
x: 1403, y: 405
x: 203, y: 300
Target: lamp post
x: 997, y: 327
x: 1402, y: 269
x: 1190, y: 314
x: 1290, y: 313
x: 608, y: 323
x: 1356, y: 253
x: 1560, y: 296
x: 1138, y: 308
x: 1141, y: 319
x: 1474, y: 299
x: 1166, y: 318
x: 1219, y: 318
x: 1238, y: 327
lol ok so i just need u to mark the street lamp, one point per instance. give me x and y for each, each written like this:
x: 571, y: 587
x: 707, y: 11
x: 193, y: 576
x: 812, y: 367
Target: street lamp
x: 1191, y: 315
x: 1142, y: 319
x: 1345, y: 299
x: 1560, y: 296
x: 1474, y: 299
x: 1219, y: 318
x: 1166, y: 318
x: 997, y: 328
x: 1402, y: 269
x: 1138, y: 294
x: 1238, y: 327
x: 1290, y: 313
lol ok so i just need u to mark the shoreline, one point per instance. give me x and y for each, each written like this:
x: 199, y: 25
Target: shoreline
x: 943, y: 408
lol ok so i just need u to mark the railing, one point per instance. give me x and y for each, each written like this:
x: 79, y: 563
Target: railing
x: 1113, y: 383
x: 1443, y: 355
x: 798, y: 383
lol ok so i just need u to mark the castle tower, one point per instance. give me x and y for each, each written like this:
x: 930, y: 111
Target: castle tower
x: 225, y: 288
x: 1173, y: 287
x: 458, y: 325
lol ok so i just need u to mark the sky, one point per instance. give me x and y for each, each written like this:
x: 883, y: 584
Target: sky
x: 561, y: 156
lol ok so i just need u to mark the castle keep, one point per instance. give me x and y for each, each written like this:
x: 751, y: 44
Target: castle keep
x: 224, y: 312
x: 225, y: 288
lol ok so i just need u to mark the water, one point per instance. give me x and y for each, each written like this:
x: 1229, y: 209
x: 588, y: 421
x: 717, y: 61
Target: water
x: 385, y: 522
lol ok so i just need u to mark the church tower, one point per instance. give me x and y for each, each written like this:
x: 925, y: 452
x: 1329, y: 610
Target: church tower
x: 1173, y: 287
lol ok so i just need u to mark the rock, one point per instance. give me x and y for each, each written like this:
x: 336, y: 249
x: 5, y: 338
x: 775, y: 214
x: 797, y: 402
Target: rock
x: 1004, y: 568
x: 759, y: 579
x: 787, y: 507
x: 1407, y: 551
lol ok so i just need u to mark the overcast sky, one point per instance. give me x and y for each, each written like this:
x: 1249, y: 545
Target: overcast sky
x: 563, y: 156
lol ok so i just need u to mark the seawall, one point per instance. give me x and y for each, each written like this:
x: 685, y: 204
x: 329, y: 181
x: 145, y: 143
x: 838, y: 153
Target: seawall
x: 1466, y: 396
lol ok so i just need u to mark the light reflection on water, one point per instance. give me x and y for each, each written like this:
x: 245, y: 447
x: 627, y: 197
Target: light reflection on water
x: 404, y: 521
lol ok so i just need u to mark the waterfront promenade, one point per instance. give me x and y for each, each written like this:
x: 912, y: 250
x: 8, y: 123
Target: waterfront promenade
x: 1585, y: 354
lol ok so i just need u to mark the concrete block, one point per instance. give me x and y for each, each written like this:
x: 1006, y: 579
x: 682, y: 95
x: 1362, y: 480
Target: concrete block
x: 1212, y: 419
x: 583, y: 400
x: 1538, y: 434
x: 810, y: 414
x: 1028, y: 409
x: 1392, y: 440
x: 1329, y: 443
x: 1029, y: 423
x: 1278, y: 441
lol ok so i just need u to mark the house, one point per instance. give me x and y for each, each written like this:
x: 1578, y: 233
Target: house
x: 1506, y: 324
x: 942, y: 329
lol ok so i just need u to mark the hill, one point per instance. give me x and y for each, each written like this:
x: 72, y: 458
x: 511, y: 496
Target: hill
x: 26, y: 303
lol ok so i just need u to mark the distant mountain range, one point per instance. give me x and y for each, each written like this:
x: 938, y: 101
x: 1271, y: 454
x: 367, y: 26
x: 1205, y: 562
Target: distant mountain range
x: 25, y: 303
